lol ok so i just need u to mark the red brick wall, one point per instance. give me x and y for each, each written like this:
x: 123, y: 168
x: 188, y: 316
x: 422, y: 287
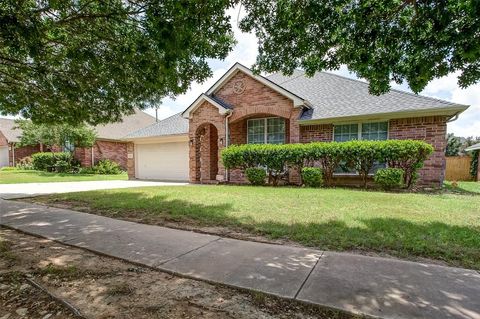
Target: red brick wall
x: 200, y: 119
x: 316, y: 133
x: 256, y: 101
x: 259, y: 100
x: 115, y: 151
x: 22, y: 152
x: 433, y: 130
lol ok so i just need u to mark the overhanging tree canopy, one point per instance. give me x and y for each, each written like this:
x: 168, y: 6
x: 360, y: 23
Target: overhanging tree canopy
x: 84, y: 60
x: 379, y: 40
x: 93, y: 61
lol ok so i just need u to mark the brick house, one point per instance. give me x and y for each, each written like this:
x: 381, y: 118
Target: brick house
x: 242, y: 107
x: 108, y: 145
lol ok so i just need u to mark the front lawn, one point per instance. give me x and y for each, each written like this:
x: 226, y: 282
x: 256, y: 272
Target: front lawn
x: 464, y: 187
x: 31, y: 176
x: 438, y: 226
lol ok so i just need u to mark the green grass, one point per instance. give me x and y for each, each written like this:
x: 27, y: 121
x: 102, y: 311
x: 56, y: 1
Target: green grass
x: 30, y: 176
x: 464, y: 187
x: 438, y: 226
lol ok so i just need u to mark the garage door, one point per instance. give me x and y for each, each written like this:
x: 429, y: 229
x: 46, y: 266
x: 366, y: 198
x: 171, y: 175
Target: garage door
x: 3, y: 156
x: 165, y: 161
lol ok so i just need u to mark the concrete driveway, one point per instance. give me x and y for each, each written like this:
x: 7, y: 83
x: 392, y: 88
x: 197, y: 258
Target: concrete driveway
x: 10, y: 191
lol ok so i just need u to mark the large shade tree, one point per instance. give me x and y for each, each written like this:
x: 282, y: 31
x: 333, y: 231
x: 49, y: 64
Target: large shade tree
x: 93, y: 61
x: 380, y: 40
x: 87, y: 60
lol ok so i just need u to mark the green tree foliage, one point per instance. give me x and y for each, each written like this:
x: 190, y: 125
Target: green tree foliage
x: 454, y: 145
x: 52, y: 135
x: 81, y: 60
x: 94, y: 61
x: 378, y: 40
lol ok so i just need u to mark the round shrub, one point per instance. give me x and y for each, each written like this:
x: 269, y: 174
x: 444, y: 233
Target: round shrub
x: 107, y: 167
x: 389, y: 178
x: 256, y: 175
x: 46, y: 161
x: 312, y: 176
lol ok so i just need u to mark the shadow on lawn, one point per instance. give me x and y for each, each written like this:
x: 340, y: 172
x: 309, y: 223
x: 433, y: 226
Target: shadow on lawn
x: 457, y: 245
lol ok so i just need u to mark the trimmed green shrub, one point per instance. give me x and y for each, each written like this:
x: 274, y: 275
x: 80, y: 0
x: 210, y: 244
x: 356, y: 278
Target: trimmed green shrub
x: 256, y: 175
x: 389, y: 178
x: 361, y: 156
x: 312, y: 176
x: 62, y: 166
x: 46, y: 161
x: 107, y: 167
x: 408, y: 155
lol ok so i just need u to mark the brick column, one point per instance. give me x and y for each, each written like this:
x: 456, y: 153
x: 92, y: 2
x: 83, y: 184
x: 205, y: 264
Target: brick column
x: 131, y: 160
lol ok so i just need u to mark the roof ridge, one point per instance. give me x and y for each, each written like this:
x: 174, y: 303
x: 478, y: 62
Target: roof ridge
x: 392, y: 89
x: 290, y: 79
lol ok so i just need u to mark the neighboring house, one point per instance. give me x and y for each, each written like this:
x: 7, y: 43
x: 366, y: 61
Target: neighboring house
x: 108, y: 145
x: 245, y: 108
x: 9, y: 135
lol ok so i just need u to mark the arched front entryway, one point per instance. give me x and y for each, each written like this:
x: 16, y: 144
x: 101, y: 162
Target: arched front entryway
x: 206, y: 153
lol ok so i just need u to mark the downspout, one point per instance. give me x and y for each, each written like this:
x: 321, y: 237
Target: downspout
x: 229, y: 113
x: 13, y: 154
x: 453, y: 118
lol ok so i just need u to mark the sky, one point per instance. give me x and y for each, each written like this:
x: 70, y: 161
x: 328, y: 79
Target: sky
x: 245, y: 52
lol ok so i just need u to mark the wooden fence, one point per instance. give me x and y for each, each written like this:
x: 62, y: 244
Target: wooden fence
x: 458, y: 168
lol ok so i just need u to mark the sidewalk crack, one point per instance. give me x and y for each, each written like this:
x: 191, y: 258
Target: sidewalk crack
x: 308, y: 276
x: 186, y: 253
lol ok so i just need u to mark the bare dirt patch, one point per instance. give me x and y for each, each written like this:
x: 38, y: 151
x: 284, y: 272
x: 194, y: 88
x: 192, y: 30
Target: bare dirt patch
x: 103, y: 287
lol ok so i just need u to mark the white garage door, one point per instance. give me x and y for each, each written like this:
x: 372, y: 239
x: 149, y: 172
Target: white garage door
x: 165, y: 161
x: 3, y: 156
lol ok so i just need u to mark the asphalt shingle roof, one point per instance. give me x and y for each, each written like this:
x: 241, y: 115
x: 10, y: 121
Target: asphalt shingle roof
x: 172, y: 125
x: 7, y: 129
x: 111, y: 131
x: 335, y: 96
x: 330, y: 95
x: 128, y: 124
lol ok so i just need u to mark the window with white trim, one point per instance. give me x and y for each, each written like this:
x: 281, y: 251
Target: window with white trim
x: 375, y: 131
x: 270, y: 130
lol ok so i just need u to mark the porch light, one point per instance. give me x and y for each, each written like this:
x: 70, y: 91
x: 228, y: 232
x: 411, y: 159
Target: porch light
x: 191, y: 142
x: 221, y: 141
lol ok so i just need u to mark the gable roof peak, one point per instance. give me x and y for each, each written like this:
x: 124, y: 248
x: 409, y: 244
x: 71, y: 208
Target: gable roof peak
x: 298, y: 101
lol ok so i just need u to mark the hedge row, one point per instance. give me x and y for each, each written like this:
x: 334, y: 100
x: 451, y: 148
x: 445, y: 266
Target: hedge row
x: 48, y: 161
x: 360, y: 156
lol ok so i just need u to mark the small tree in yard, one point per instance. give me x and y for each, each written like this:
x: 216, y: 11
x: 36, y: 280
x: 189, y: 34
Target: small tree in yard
x: 52, y: 135
x: 454, y: 145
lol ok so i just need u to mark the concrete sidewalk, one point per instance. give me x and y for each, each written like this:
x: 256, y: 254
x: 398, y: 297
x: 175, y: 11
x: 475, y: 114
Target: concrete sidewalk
x: 382, y: 287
